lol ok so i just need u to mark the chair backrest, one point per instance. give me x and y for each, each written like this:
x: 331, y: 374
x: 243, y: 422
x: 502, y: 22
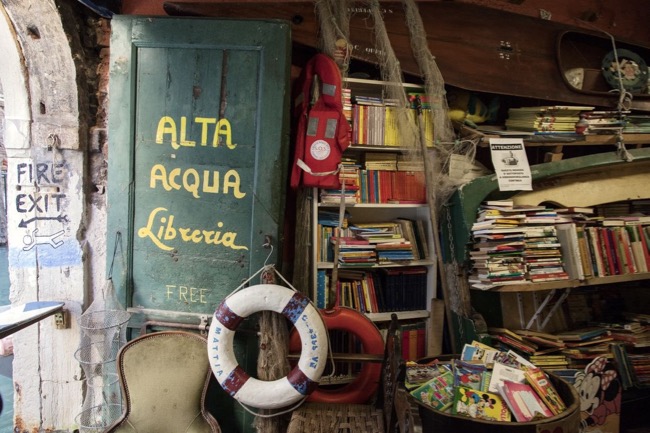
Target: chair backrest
x: 164, y: 378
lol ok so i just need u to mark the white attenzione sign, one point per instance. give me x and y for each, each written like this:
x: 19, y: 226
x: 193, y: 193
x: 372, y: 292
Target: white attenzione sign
x: 511, y: 164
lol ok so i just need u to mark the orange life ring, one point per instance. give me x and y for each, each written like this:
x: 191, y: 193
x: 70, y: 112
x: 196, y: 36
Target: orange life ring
x: 364, y: 386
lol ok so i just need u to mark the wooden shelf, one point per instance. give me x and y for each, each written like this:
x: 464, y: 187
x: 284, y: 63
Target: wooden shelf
x: 409, y: 263
x: 401, y: 315
x: 347, y: 357
x: 586, y: 140
x: 376, y: 205
x: 553, y: 285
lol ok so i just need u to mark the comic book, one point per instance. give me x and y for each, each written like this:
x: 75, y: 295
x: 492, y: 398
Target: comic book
x: 480, y: 405
x: 437, y: 392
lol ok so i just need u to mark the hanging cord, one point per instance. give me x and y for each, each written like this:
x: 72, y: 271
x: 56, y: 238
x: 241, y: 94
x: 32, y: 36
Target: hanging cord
x: 272, y: 415
x: 624, y: 103
x: 624, y: 97
x: 118, y: 241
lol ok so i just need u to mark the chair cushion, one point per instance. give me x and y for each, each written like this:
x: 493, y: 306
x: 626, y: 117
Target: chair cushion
x: 164, y: 377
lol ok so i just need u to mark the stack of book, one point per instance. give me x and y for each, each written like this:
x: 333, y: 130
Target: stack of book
x: 585, y: 344
x: 543, y: 255
x: 637, y: 124
x: 548, y: 119
x: 515, y: 244
x: 386, y: 161
x: 354, y: 251
x: 601, y: 122
x: 388, y: 239
x: 350, y: 181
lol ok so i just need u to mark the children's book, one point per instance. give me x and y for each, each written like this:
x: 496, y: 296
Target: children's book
x: 418, y: 374
x: 479, y: 353
x: 541, y: 383
x: 523, y: 401
x: 480, y: 405
x: 467, y: 374
x: 501, y: 372
x: 437, y: 392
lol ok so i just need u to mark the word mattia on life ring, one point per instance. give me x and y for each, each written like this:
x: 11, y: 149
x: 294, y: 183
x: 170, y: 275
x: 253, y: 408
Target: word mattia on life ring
x: 304, y: 377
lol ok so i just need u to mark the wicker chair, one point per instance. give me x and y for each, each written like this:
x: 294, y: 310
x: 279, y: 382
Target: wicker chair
x: 391, y: 412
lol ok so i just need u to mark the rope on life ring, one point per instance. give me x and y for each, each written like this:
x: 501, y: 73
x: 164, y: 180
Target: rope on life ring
x: 366, y: 383
x: 304, y: 377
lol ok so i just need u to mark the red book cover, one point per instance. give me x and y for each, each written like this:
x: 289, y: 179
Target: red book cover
x: 413, y: 345
x: 405, y: 344
x: 607, y: 251
x: 385, y: 185
x: 627, y: 250
x: 523, y: 401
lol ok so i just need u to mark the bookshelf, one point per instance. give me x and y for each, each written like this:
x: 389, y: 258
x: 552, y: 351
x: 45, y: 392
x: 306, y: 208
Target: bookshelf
x: 391, y: 201
x: 582, y: 181
x: 597, y: 180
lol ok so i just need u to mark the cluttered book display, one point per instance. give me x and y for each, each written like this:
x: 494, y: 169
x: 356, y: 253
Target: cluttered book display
x: 500, y: 389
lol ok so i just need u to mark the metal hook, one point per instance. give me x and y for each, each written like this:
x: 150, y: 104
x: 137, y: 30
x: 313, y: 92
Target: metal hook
x: 268, y: 244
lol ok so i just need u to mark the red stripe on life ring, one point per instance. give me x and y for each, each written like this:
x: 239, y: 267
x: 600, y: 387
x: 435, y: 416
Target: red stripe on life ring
x: 301, y: 382
x: 227, y: 317
x: 235, y: 380
x: 366, y: 383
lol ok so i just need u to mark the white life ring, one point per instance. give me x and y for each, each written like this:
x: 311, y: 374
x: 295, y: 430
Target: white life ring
x: 304, y: 377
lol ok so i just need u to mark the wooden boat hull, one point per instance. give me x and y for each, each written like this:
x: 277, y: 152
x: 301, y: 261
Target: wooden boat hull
x: 476, y: 48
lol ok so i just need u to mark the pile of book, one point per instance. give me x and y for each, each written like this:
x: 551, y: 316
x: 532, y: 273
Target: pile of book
x: 556, y: 119
x: 362, y: 244
x: 602, y: 122
x: 631, y: 340
x: 387, y: 238
x: 637, y: 124
x: 488, y: 384
x: 575, y: 348
x: 354, y: 251
x: 350, y: 181
x: 515, y: 244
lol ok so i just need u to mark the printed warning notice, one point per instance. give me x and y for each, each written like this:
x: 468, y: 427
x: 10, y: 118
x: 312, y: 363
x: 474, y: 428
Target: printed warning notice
x: 511, y: 164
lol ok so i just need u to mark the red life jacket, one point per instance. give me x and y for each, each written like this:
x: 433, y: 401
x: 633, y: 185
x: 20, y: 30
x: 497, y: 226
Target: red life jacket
x: 322, y: 132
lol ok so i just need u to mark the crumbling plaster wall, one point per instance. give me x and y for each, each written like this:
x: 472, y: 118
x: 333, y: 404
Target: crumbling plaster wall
x: 55, y: 140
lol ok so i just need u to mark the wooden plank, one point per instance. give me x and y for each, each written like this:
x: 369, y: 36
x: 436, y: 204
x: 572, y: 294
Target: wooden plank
x: 517, y: 54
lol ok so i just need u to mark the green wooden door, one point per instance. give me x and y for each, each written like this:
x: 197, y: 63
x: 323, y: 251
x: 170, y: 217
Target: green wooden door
x: 197, y: 159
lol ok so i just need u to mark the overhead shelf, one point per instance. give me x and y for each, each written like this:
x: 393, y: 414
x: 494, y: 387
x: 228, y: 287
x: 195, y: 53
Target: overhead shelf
x: 565, y: 284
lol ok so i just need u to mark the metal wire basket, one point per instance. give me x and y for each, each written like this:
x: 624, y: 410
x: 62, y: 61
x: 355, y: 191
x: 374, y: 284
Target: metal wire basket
x: 100, y: 320
x: 97, y: 418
